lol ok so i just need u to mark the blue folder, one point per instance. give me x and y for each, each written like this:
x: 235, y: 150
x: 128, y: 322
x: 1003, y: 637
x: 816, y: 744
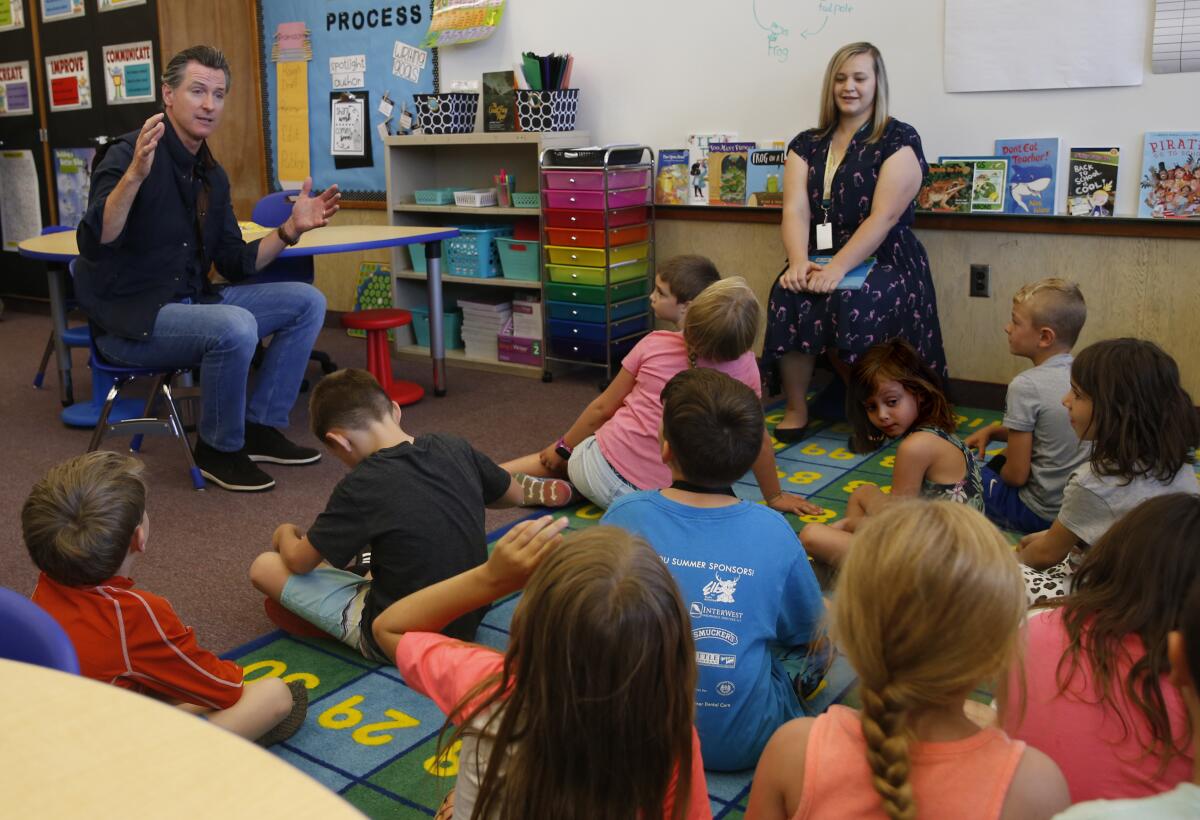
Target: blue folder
x: 855, y: 278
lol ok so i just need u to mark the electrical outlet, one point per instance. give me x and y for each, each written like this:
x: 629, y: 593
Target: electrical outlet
x: 981, y: 281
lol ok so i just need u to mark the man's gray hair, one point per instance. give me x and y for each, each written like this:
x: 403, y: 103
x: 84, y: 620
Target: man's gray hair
x: 206, y: 56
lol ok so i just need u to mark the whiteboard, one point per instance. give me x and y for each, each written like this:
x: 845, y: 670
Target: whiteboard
x: 654, y: 71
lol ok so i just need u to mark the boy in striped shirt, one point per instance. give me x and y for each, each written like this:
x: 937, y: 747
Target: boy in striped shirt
x: 84, y: 524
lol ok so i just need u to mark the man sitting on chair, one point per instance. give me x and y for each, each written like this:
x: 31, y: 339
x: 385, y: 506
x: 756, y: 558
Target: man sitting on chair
x: 159, y: 216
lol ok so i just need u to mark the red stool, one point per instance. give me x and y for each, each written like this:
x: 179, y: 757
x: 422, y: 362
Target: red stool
x: 377, y: 323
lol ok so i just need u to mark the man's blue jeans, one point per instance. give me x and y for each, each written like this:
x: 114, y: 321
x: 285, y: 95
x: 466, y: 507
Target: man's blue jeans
x: 221, y: 338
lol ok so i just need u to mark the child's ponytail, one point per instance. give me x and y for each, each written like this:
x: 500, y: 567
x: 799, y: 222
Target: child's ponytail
x: 884, y: 722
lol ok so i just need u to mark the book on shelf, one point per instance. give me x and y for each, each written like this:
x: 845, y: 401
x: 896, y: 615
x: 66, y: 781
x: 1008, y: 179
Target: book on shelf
x: 671, y: 181
x: 698, y: 165
x: 499, y: 101
x: 1092, y: 181
x: 946, y: 189
x: 486, y: 303
x: 764, y: 178
x: 527, y: 318
x: 727, y: 163
x: 989, y: 180
x: 1170, y: 183
x: 1033, y: 174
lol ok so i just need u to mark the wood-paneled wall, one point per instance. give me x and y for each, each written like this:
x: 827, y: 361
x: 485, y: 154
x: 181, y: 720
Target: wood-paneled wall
x: 230, y: 26
x: 1134, y: 287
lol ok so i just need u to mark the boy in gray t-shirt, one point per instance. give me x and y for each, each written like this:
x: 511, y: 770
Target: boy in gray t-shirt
x: 1023, y: 487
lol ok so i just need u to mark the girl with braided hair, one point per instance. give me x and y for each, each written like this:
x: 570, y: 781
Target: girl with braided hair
x: 928, y: 606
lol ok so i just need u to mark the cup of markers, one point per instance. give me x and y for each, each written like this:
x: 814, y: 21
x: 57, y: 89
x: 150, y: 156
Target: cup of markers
x: 504, y: 188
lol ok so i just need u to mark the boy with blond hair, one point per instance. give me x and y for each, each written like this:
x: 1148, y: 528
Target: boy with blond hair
x: 84, y: 524
x: 1023, y: 487
x: 414, y: 502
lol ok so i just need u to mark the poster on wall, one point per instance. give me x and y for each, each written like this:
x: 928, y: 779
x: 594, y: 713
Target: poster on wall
x: 15, y: 99
x: 463, y: 21
x: 129, y: 73
x: 113, y: 5
x: 70, y: 81
x: 61, y: 10
x: 72, y: 178
x: 20, y: 199
x: 12, y: 15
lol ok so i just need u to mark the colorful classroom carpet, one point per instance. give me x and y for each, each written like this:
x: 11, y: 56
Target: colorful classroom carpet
x: 374, y: 741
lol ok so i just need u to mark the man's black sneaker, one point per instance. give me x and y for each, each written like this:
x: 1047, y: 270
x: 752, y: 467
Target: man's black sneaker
x: 268, y: 444
x: 233, y: 471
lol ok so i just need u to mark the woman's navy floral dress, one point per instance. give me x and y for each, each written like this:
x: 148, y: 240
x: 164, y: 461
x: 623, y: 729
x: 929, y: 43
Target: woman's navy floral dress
x: 897, y: 299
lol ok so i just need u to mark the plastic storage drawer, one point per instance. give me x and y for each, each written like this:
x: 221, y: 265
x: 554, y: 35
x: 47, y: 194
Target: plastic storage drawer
x: 594, y: 220
x: 632, y: 324
x: 591, y: 295
x: 594, y: 257
x: 583, y: 312
x: 592, y: 351
x: 575, y: 237
x: 596, y: 200
x: 594, y: 180
x: 570, y: 274
x: 583, y: 331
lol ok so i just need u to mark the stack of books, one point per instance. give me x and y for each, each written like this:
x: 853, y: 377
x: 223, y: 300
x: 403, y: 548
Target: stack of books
x: 527, y: 318
x: 484, y: 318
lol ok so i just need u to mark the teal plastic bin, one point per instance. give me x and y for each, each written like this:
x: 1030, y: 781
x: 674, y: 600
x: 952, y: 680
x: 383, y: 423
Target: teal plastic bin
x: 451, y: 327
x: 519, y: 259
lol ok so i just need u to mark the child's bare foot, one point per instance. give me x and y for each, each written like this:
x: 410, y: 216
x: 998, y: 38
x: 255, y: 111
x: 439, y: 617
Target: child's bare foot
x: 544, y: 492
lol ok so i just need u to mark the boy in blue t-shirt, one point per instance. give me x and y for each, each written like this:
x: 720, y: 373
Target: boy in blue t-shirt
x: 739, y: 565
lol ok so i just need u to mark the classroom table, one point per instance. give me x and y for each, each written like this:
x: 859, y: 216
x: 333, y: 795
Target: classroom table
x: 75, y: 747
x: 58, y: 249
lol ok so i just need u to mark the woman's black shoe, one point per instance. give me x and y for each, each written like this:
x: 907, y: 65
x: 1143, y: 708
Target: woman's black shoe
x: 790, y: 435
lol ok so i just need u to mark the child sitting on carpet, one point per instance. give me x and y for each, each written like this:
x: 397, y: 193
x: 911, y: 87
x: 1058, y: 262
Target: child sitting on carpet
x: 894, y: 395
x: 738, y: 561
x: 677, y: 282
x: 84, y: 524
x: 1126, y: 399
x: 1094, y: 694
x: 589, y: 712
x: 928, y: 605
x: 1023, y: 487
x: 416, y: 503
x: 612, y: 448
x: 1182, y: 802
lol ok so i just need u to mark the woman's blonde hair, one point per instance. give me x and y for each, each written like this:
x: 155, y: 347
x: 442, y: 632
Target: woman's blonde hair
x: 598, y: 690
x: 929, y: 603
x: 828, y: 115
x: 722, y: 322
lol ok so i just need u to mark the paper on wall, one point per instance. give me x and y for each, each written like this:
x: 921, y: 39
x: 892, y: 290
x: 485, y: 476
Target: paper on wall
x: 347, y: 122
x: 354, y: 79
x: 20, y: 205
x: 129, y: 73
x: 1176, y: 36
x: 112, y: 5
x: 1030, y: 44
x: 15, y: 97
x: 462, y: 21
x: 12, y: 15
x: 407, y: 61
x: 72, y: 181
x: 70, y: 81
x: 61, y: 10
x: 292, y: 119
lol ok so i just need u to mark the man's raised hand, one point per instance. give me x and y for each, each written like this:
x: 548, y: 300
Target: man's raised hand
x: 143, y: 151
x: 313, y: 211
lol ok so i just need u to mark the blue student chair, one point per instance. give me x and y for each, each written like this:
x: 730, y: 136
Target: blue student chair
x: 119, y: 377
x: 77, y: 336
x: 28, y: 634
x: 272, y: 211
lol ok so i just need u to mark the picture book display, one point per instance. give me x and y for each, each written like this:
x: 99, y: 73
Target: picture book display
x: 989, y: 181
x: 1092, y: 181
x: 671, y: 181
x: 946, y: 189
x: 764, y: 178
x: 698, y: 164
x: 499, y: 101
x: 1032, y: 174
x: 72, y: 177
x: 1170, y: 183
x: 727, y: 163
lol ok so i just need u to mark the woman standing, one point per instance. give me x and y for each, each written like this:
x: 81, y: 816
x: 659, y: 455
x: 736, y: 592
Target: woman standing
x: 848, y: 194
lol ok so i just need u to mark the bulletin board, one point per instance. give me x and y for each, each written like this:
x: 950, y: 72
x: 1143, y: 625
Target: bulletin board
x: 344, y: 28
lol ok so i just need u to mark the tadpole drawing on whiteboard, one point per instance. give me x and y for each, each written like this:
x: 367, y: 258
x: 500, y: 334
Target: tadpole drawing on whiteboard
x: 777, y: 33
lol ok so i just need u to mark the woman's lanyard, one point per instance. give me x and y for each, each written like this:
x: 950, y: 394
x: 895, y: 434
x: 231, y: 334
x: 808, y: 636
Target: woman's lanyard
x: 689, y: 487
x: 825, y: 229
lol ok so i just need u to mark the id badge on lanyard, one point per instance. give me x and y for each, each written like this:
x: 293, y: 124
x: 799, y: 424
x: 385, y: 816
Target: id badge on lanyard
x: 825, y: 231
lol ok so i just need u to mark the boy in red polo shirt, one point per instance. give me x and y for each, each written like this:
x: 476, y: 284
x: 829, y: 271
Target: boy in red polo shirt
x: 83, y: 524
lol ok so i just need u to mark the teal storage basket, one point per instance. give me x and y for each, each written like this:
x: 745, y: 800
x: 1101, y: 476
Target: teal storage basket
x: 473, y: 253
x: 519, y: 259
x: 451, y: 327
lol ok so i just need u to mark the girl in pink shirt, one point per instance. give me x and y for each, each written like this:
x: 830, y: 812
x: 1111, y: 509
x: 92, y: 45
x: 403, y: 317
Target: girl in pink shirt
x: 589, y: 713
x: 613, y: 447
x: 928, y: 605
x: 1097, y: 698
